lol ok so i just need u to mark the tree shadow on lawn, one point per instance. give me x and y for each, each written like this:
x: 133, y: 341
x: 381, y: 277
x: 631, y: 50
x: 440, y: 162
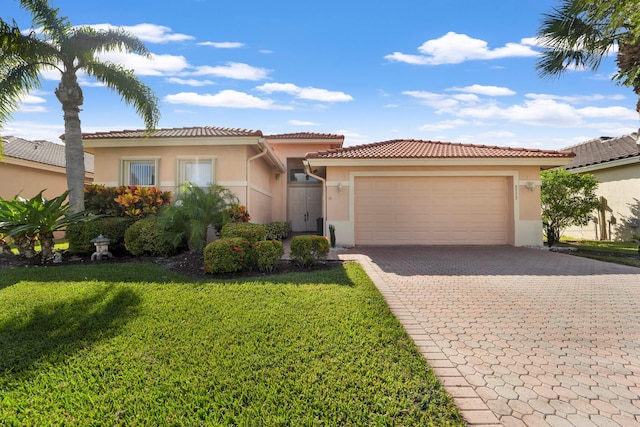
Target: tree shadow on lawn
x: 54, y: 331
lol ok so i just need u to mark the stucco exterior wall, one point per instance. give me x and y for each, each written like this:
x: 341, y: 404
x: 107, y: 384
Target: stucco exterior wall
x: 260, y: 194
x: 620, y: 186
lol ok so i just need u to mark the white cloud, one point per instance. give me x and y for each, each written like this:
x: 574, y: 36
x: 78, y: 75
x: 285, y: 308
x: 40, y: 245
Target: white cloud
x: 155, y: 65
x: 223, y: 45
x: 225, y: 98
x: 309, y: 93
x: 485, y: 90
x: 302, y: 123
x: 575, y: 99
x: 438, y: 101
x: 454, y: 48
x: 619, y: 113
x: 190, y: 82
x: 352, y: 137
x: 444, y: 125
x: 232, y: 70
x: 150, y: 33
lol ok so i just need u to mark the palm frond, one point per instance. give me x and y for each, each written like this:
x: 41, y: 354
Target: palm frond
x: 56, y: 26
x: 132, y: 90
x: 90, y: 39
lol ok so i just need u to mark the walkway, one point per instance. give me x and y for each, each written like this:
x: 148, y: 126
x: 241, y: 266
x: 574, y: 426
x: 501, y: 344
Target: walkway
x: 519, y: 337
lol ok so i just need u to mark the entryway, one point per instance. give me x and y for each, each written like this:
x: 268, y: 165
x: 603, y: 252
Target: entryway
x: 305, y: 207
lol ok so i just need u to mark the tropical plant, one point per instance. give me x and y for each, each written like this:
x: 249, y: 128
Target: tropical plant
x: 196, y: 210
x: 37, y: 219
x: 567, y: 199
x: 139, y: 202
x: 56, y: 44
x: 309, y: 250
x: 579, y: 34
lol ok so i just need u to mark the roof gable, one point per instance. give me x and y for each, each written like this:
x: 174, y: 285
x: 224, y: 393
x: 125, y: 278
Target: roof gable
x: 600, y: 151
x: 418, y: 149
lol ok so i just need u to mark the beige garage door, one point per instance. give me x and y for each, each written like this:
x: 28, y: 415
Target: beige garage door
x: 431, y: 210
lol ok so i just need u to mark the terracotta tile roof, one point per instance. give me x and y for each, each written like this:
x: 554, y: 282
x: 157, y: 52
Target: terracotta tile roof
x: 305, y: 135
x: 41, y: 151
x: 602, y: 150
x: 415, y: 149
x: 187, y: 132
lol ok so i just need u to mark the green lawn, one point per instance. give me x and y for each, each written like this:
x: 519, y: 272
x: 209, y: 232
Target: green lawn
x: 133, y: 344
x: 617, y: 252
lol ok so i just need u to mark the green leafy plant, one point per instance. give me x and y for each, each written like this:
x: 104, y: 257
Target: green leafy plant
x: 266, y: 254
x: 102, y: 200
x: 308, y: 251
x: 80, y: 235
x: 251, y: 232
x: 226, y: 255
x: 146, y: 237
x: 278, y: 230
x: 332, y: 235
x: 238, y: 213
x: 196, y: 210
x: 28, y: 220
x: 567, y: 199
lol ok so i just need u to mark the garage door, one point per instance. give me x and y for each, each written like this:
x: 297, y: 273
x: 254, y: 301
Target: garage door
x: 431, y: 210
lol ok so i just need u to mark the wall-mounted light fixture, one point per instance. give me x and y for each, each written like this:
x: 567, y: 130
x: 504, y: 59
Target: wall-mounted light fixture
x: 340, y: 187
x: 531, y: 186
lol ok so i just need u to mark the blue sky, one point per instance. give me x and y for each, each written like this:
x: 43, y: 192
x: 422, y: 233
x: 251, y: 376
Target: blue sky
x: 373, y: 71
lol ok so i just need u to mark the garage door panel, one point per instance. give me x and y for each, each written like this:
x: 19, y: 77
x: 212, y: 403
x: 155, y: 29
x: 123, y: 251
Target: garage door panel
x: 431, y: 210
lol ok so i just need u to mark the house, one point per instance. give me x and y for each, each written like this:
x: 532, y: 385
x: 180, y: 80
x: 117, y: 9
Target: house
x: 615, y: 162
x: 27, y: 167
x: 393, y: 192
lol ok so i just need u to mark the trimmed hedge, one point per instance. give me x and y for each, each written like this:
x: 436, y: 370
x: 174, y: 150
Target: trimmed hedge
x: 266, y: 254
x: 253, y: 233
x: 80, y: 235
x: 309, y: 250
x: 146, y: 237
x: 277, y: 230
x: 226, y: 255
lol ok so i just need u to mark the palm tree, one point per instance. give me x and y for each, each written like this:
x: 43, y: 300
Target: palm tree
x: 55, y: 43
x: 581, y: 33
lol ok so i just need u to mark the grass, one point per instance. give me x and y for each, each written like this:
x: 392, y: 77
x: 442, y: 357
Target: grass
x: 137, y: 345
x: 617, y: 252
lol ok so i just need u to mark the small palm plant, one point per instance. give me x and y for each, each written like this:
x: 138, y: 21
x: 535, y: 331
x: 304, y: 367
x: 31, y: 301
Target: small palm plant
x: 29, y: 220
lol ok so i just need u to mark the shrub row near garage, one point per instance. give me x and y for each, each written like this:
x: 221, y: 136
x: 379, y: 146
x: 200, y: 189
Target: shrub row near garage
x: 242, y: 246
x: 308, y: 251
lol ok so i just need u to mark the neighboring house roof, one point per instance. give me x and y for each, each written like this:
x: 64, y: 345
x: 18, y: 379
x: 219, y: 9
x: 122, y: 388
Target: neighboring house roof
x: 305, y: 135
x: 416, y: 149
x: 41, y: 151
x: 205, y: 131
x: 598, y: 153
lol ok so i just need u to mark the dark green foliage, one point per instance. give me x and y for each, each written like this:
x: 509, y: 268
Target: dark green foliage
x: 80, y: 235
x: 251, y: 232
x: 226, y: 255
x: 266, y: 254
x: 278, y: 230
x: 567, y: 199
x: 307, y: 251
x: 100, y: 199
x: 195, y: 211
x: 146, y: 237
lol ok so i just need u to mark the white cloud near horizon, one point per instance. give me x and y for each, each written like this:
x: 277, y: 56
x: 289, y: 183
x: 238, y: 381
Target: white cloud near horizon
x: 454, y: 48
x: 484, y: 90
x: 190, y: 82
x: 222, y: 45
x: 225, y: 98
x: 155, y: 65
x: 308, y: 93
x: 302, y: 123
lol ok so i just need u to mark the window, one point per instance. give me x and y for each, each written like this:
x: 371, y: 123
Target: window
x: 139, y: 172
x: 199, y: 172
x: 299, y: 175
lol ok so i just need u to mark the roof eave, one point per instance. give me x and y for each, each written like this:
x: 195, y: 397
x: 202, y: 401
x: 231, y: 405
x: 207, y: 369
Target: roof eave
x: 453, y: 161
x: 606, y: 165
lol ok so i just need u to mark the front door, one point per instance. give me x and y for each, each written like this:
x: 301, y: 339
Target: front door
x: 305, y: 207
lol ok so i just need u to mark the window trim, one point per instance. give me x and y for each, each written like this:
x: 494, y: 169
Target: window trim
x: 125, y: 169
x: 180, y: 169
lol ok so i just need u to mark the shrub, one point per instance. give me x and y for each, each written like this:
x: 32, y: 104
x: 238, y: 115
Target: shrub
x: 238, y: 213
x: 307, y: 251
x: 146, y: 237
x: 100, y: 199
x: 80, y: 235
x: 266, y: 254
x: 140, y: 202
x: 251, y: 232
x: 277, y: 230
x: 226, y: 255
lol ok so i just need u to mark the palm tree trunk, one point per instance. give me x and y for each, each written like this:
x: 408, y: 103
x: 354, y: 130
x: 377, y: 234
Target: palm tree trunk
x: 47, y: 245
x: 70, y: 96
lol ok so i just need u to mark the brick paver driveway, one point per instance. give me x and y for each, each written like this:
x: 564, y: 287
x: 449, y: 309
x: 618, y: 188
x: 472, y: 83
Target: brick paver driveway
x: 518, y: 336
